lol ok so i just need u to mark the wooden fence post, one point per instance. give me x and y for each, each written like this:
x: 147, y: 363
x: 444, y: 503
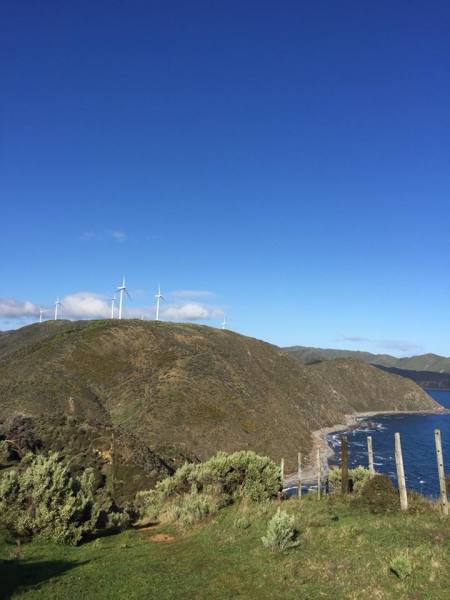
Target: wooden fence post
x: 319, y: 473
x: 441, y: 472
x: 370, y: 455
x: 344, y: 465
x: 299, y: 491
x: 400, y: 473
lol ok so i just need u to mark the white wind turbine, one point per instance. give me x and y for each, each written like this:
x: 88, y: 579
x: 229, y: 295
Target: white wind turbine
x: 113, y: 300
x: 41, y: 312
x: 121, y: 289
x: 57, y: 305
x: 224, y: 322
x: 158, y: 297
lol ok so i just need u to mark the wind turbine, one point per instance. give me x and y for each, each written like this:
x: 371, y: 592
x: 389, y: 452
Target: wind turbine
x: 41, y: 312
x: 121, y: 289
x: 158, y: 297
x: 224, y: 322
x: 113, y: 299
x: 57, y: 304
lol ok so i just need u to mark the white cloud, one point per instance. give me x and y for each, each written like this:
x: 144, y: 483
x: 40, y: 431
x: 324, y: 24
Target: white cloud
x: 10, y: 308
x: 84, y: 305
x: 118, y: 235
x: 89, y: 305
x: 191, y: 311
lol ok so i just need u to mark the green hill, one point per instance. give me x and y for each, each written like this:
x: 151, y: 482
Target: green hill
x: 170, y: 392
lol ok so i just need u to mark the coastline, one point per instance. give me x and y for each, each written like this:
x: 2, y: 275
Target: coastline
x: 320, y: 441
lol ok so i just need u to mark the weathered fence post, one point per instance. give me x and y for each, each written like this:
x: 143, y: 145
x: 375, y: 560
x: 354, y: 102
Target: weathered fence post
x: 282, y: 471
x: 441, y: 472
x: 299, y: 475
x: 319, y: 473
x: 400, y: 473
x: 370, y: 455
x: 344, y: 465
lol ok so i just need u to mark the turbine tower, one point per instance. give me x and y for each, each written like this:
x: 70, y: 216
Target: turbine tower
x: 224, y: 322
x: 113, y: 299
x: 41, y: 312
x: 121, y: 289
x: 158, y: 297
x: 57, y: 305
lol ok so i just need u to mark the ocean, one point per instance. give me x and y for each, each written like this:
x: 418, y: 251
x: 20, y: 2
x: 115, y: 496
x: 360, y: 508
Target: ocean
x: 417, y: 439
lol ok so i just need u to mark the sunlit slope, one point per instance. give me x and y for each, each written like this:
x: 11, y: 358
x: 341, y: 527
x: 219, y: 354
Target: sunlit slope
x: 192, y: 387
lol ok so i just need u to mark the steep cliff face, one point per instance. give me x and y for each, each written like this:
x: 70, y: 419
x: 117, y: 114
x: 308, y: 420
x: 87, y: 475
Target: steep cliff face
x: 185, y: 390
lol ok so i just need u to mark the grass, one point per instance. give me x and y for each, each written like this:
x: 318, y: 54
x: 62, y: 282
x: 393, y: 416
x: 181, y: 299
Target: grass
x: 344, y: 552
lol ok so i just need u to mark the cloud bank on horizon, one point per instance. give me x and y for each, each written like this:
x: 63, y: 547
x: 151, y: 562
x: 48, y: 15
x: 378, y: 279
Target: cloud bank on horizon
x: 90, y: 305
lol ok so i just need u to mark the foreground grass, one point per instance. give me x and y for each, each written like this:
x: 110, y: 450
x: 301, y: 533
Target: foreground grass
x: 344, y: 552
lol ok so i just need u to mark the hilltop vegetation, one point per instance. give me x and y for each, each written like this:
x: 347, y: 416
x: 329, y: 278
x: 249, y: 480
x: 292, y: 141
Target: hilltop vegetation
x: 157, y: 394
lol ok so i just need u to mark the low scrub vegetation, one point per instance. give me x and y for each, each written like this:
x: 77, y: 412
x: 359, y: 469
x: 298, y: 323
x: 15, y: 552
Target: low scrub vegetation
x: 280, y: 532
x: 193, y: 507
x: 401, y: 566
x: 198, y: 490
x: 42, y: 499
x: 357, y: 478
x: 379, y: 495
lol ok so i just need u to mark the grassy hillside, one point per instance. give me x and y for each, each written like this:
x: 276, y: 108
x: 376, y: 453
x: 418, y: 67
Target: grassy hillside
x: 344, y: 552
x: 175, y: 390
x: 424, y: 362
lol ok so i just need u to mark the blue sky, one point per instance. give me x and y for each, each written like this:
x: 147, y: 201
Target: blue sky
x: 285, y: 163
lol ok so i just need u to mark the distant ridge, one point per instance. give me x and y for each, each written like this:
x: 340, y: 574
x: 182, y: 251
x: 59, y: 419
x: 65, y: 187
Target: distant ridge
x: 423, y: 362
x: 427, y: 370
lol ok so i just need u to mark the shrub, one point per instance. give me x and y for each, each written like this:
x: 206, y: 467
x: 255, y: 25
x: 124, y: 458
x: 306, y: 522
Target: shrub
x: 224, y: 477
x: 401, y: 566
x: 280, y: 532
x: 378, y: 495
x: 242, y: 522
x: 359, y: 475
x: 193, y: 507
x: 44, y: 500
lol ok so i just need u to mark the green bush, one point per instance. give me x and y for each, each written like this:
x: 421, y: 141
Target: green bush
x: 42, y: 499
x: 242, y: 522
x: 191, y: 508
x: 378, y: 495
x: 359, y: 475
x: 224, y: 478
x: 401, y: 566
x: 280, y: 532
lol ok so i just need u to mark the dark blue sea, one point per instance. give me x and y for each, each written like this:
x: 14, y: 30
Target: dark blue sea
x: 417, y: 439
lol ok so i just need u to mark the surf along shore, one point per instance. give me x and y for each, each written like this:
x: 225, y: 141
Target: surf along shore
x: 320, y: 441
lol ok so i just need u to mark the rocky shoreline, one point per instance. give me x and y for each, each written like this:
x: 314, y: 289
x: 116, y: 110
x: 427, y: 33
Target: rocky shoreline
x: 320, y: 440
